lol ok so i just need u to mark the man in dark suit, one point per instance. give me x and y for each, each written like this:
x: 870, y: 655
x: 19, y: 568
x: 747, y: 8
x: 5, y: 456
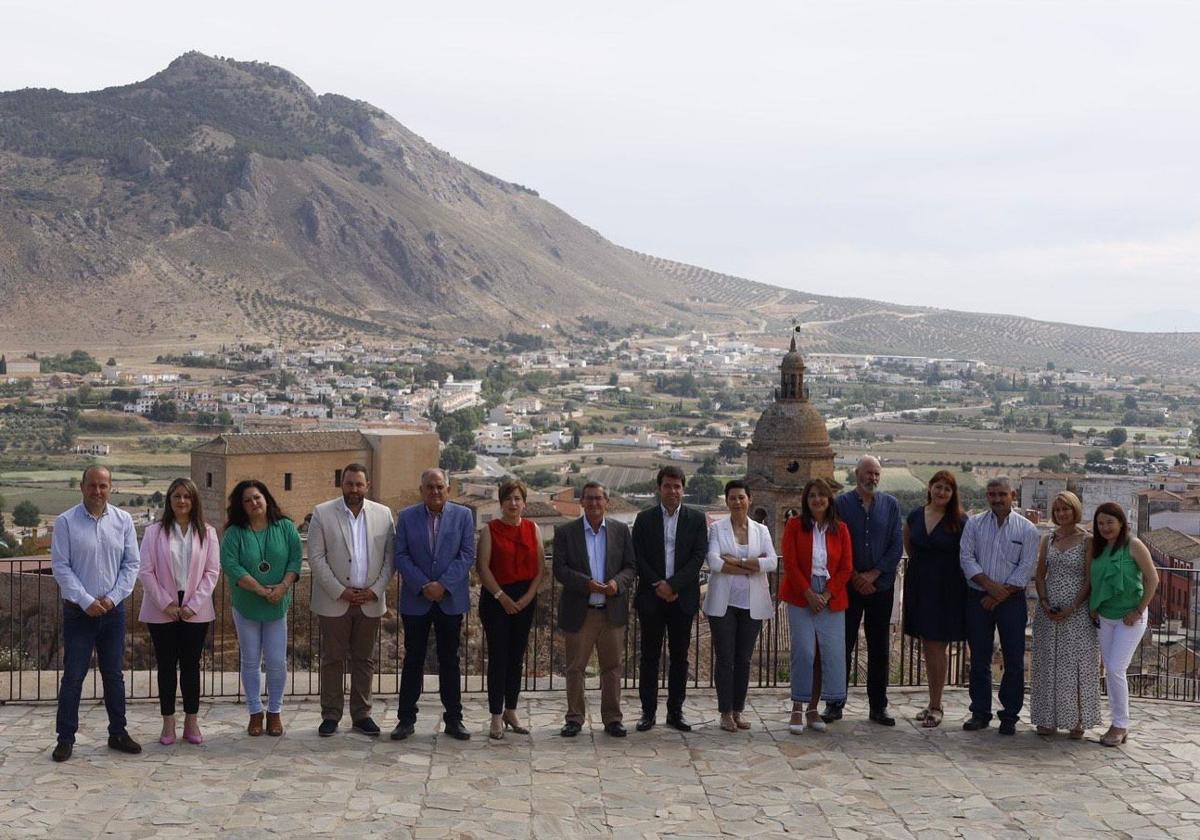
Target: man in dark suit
x: 594, y: 562
x: 670, y: 541
x: 434, y: 552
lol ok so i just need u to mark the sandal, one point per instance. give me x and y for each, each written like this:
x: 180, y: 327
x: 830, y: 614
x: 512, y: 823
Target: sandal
x: 796, y: 722
x: 727, y: 722
x: 739, y: 721
x: 921, y: 715
x: 933, y: 718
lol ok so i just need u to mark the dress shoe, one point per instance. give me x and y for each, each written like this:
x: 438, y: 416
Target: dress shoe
x: 882, y: 718
x: 1008, y: 727
x: 62, y: 750
x: 833, y: 711
x: 327, y: 728
x: 616, y: 729
x: 974, y: 724
x: 366, y: 726
x: 402, y: 731
x: 274, y: 724
x: 646, y: 724
x: 678, y: 722
x: 1114, y: 737
x: 570, y: 729
x: 456, y: 730
x: 123, y: 743
x: 255, y: 727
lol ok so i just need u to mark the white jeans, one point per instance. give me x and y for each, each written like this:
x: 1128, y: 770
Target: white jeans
x: 1118, y: 642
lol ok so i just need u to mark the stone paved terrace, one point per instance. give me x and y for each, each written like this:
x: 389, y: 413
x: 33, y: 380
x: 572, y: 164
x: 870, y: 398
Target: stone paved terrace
x: 857, y: 780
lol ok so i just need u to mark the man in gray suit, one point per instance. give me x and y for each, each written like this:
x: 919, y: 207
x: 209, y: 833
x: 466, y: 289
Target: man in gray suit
x: 350, y: 554
x: 594, y: 562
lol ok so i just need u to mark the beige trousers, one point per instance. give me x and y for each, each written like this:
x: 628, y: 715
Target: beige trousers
x: 347, y: 637
x: 607, y: 640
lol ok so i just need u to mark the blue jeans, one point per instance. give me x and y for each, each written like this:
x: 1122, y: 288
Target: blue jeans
x: 1009, y: 618
x: 258, y: 641
x: 825, y: 633
x: 81, y: 634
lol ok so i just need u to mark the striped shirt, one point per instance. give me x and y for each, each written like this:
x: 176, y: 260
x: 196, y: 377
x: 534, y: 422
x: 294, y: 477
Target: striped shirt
x: 1005, y: 553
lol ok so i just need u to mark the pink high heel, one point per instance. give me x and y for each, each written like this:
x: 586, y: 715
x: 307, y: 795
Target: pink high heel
x: 167, y: 740
x: 194, y: 739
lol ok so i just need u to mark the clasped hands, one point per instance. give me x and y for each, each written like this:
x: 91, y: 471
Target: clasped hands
x: 733, y: 566
x: 274, y: 594
x: 178, y: 613
x: 864, y: 582
x: 817, y: 601
x: 997, y: 593
x: 663, y: 590
x: 596, y: 587
x: 357, y: 597
x: 434, y: 591
x: 100, y: 606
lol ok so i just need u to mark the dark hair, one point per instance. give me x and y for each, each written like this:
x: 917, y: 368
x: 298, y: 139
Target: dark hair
x: 195, y: 518
x: 736, y: 484
x: 670, y: 471
x: 954, y: 512
x: 236, y: 513
x: 825, y: 489
x: 513, y: 485
x: 358, y: 468
x: 593, y: 484
x: 1101, y: 545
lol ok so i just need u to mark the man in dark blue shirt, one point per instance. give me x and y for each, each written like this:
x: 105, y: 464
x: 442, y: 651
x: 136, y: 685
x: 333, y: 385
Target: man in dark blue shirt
x: 874, y: 522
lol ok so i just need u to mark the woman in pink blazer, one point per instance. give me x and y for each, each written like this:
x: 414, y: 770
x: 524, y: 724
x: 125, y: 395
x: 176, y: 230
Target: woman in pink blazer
x: 181, y: 559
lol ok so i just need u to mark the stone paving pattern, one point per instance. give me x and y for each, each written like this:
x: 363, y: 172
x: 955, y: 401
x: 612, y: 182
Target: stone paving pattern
x: 858, y: 780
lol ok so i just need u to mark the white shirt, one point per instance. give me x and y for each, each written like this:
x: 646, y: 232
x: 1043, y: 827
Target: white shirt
x: 181, y: 555
x: 739, y: 585
x: 359, y: 553
x: 820, y: 554
x: 670, y: 525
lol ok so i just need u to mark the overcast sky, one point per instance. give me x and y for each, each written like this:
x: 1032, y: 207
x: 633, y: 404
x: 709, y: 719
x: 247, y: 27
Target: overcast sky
x: 1037, y: 158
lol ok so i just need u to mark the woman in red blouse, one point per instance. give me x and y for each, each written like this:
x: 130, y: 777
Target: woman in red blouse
x: 817, y: 561
x: 509, y: 561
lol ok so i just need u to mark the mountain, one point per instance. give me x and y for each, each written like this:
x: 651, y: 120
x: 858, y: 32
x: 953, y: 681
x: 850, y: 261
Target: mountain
x: 223, y: 199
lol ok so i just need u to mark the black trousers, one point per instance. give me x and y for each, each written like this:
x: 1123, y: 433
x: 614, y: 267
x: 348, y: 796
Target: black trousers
x: 446, y: 630
x: 507, y: 637
x: 669, y: 619
x: 875, y: 612
x: 178, y: 645
x: 734, y: 636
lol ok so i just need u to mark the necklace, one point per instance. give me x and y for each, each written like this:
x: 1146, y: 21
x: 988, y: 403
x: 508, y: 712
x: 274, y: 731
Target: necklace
x: 264, y: 565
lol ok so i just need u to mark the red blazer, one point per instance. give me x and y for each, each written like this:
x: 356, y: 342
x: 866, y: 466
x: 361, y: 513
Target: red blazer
x: 797, y: 564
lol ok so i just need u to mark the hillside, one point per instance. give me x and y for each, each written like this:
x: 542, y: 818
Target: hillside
x: 221, y: 200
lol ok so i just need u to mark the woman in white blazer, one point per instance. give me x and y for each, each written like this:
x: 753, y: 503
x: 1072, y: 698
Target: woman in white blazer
x: 181, y: 560
x: 740, y: 556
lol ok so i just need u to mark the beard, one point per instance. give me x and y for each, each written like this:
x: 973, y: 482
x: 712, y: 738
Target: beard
x: 352, y: 500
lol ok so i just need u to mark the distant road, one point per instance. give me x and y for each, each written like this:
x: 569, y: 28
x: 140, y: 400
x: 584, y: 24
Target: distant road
x: 490, y: 466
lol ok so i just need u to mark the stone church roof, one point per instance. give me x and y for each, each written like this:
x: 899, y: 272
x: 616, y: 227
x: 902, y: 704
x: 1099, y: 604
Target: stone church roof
x: 267, y: 443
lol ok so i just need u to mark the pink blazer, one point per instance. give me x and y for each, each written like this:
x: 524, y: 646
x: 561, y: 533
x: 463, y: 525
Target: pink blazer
x: 158, y: 576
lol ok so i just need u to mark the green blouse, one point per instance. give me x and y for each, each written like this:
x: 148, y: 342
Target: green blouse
x: 243, y: 552
x: 1117, y: 584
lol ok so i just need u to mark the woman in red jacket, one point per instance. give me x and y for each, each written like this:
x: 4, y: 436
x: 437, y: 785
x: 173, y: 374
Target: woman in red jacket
x: 817, y: 562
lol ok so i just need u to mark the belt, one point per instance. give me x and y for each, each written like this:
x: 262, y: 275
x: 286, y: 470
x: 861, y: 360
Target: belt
x: 597, y: 606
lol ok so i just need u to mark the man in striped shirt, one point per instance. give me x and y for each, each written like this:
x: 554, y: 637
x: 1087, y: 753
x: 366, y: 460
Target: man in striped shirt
x: 998, y: 554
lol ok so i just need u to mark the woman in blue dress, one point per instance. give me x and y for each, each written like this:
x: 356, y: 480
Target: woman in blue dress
x: 935, y: 591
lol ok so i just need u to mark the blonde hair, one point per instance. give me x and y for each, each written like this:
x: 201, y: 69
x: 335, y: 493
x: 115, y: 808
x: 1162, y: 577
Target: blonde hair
x: 1070, y: 500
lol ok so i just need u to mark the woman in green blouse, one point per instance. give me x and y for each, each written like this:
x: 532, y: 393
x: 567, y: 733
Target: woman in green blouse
x: 1124, y: 581
x: 260, y: 553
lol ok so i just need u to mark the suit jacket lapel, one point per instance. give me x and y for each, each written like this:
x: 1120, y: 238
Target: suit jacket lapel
x: 581, y: 545
x: 657, y: 522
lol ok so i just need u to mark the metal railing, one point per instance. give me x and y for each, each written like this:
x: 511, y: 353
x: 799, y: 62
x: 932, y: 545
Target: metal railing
x: 1165, y: 666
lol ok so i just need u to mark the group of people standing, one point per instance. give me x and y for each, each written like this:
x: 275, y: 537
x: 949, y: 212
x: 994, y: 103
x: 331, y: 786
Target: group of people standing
x: 966, y: 579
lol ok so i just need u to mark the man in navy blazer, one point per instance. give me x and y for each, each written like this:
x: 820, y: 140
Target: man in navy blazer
x: 435, y: 549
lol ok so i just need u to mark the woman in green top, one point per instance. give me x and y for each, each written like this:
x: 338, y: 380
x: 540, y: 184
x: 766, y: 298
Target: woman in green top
x: 260, y: 553
x: 1123, y: 581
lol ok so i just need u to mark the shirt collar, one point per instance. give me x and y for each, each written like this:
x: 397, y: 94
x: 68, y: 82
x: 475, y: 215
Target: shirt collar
x: 88, y: 513
x: 350, y: 513
x: 588, y: 525
x: 670, y: 515
x: 428, y: 512
x: 177, y: 531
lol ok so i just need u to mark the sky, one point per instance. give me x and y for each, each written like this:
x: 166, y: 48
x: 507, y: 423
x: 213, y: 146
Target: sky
x: 1035, y: 158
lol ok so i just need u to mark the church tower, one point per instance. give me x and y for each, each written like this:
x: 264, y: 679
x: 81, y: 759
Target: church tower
x: 789, y: 447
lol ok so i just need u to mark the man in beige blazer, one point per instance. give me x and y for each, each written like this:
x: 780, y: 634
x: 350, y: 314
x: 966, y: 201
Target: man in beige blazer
x: 350, y: 554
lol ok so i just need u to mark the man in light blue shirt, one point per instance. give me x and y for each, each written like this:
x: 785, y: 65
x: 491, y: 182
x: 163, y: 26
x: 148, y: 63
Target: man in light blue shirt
x: 998, y: 553
x: 94, y: 558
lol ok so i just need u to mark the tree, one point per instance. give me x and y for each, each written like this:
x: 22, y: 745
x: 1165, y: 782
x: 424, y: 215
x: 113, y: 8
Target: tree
x: 164, y: 411
x: 26, y: 514
x: 704, y: 489
x: 708, y: 467
x: 1066, y: 430
x: 456, y: 459
x: 730, y: 449
x: 1117, y: 436
x: 1094, y: 456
